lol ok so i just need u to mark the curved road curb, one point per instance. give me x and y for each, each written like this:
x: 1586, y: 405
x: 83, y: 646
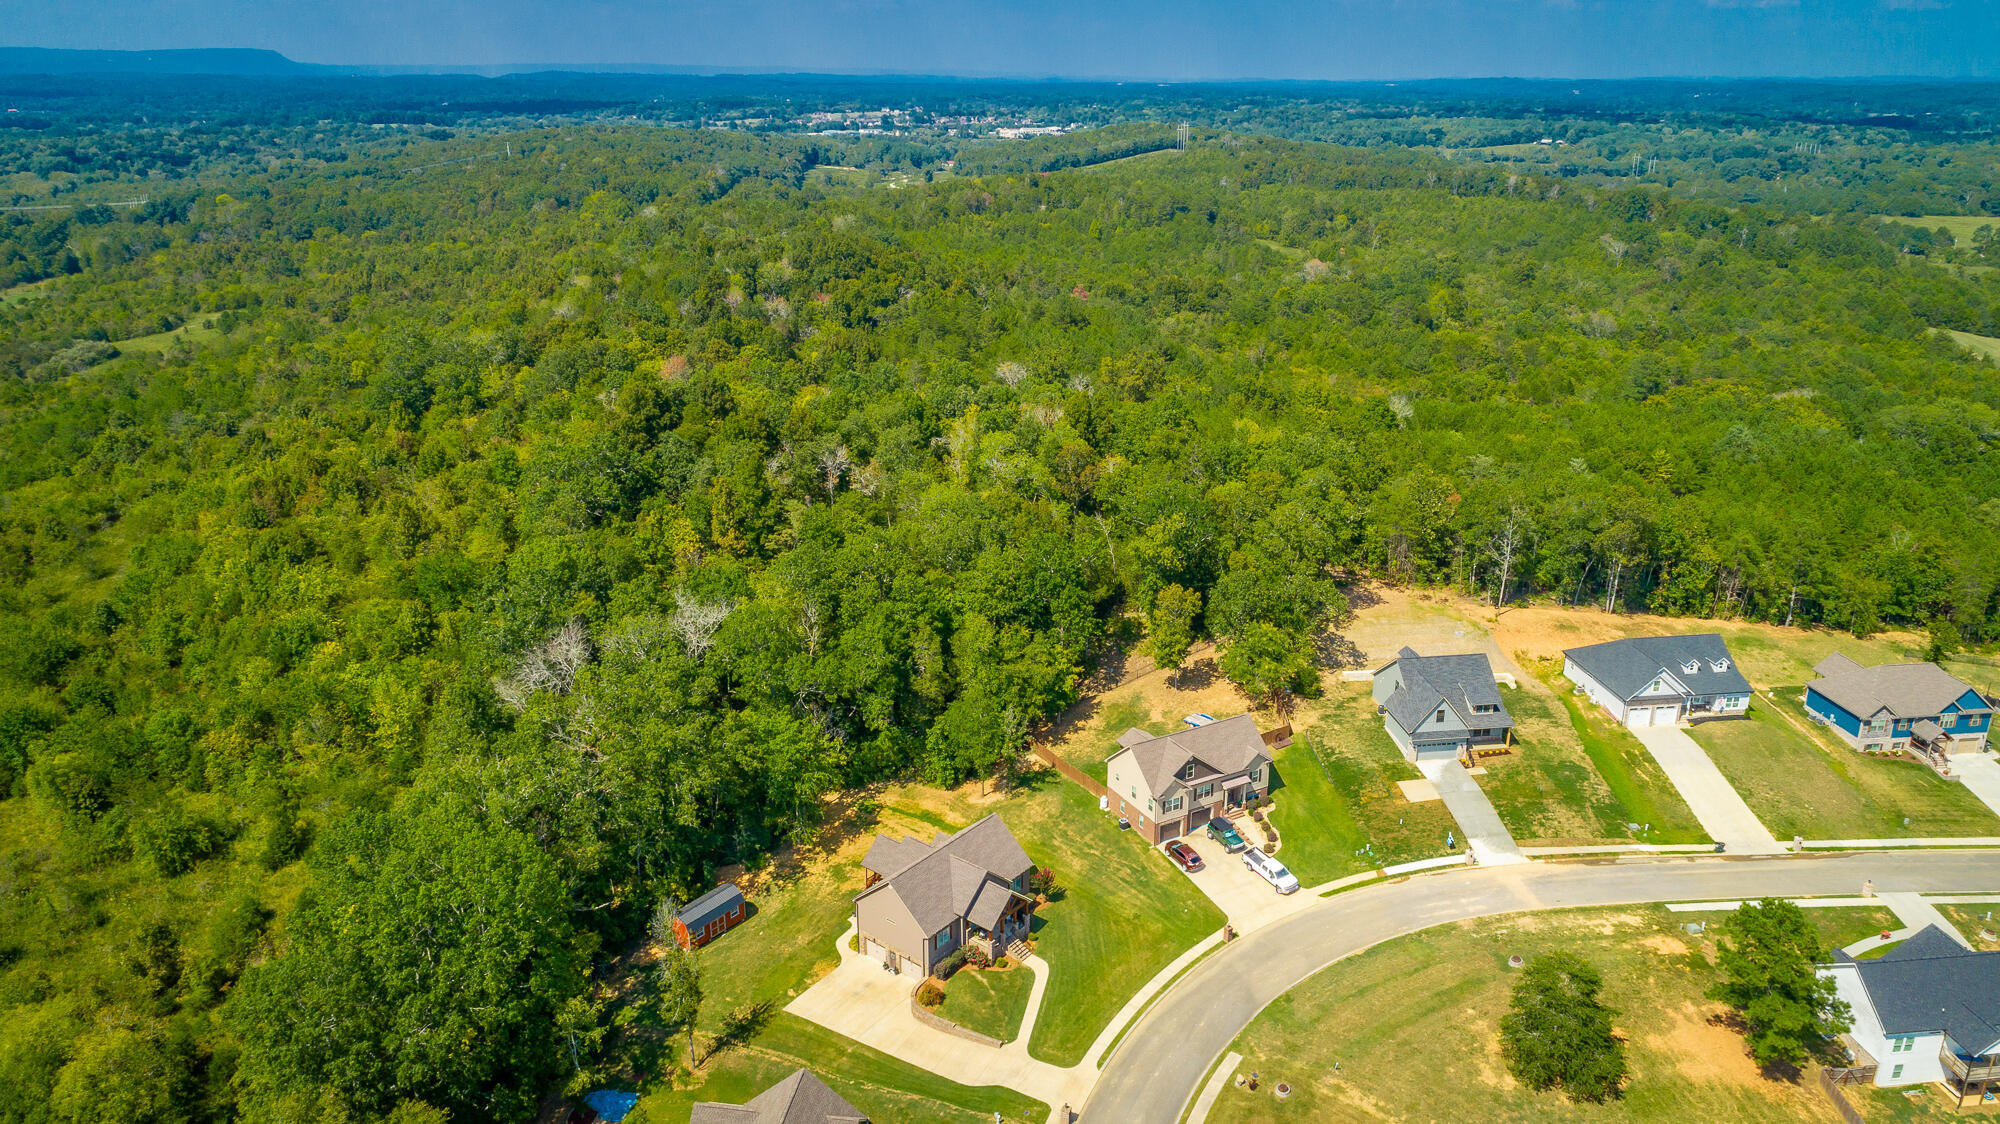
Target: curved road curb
x: 1160, y: 1064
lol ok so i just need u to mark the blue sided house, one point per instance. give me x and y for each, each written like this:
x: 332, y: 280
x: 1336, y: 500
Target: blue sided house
x: 1899, y: 706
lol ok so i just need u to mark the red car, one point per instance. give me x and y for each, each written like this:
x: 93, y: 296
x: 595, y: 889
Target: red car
x: 1184, y: 856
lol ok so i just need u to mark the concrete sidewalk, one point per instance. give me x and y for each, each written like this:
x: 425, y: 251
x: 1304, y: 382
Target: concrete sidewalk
x: 1491, y: 843
x: 1722, y: 813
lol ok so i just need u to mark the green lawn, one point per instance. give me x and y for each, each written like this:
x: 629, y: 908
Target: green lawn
x: 1643, y: 793
x: 1962, y: 227
x: 889, y: 1091
x: 1547, y: 791
x: 989, y: 1002
x: 1413, y: 1026
x: 1930, y: 1105
x: 1984, y: 346
x: 1972, y: 920
x: 1799, y: 786
x: 1336, y: 794
x: 1122, y: 914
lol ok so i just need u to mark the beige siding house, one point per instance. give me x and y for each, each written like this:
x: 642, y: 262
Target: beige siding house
x: 1176, y: 783
x: 926, y: 900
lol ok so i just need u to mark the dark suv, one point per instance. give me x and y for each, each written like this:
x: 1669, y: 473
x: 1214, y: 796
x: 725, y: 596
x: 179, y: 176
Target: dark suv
x: 1224, y: 833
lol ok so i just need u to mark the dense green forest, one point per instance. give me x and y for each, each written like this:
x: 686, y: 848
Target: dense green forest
x: 411, y: 577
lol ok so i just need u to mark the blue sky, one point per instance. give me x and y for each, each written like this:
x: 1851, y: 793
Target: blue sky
x: 1155, y: 39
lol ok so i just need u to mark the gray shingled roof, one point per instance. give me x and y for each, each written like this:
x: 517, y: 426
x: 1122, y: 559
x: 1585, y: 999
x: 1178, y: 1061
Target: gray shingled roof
x: 1905, y: 690
x: 1627, y: 666
x: 1930, y: 983
x: 952, y: 874
x: 710, y: 906
x: 1228, y: 746
x: 801, y: 1098
x: 1458, y: 682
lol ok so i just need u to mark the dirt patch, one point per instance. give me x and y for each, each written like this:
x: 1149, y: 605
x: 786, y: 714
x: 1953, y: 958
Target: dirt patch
x: 1606, y: 924
x: 1492, y: 1063
x: 1702, y: 1048
x: 1665, y: 946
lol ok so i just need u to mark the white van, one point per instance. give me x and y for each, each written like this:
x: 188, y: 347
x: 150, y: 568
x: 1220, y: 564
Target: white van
x: 1271, y: 870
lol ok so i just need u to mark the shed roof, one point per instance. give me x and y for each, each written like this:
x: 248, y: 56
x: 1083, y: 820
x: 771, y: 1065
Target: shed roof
x: 1231, y: 745
x: 1905, y: 690
x: 1629, y: 665
x: 1931, y: 983
x: 710, y: 906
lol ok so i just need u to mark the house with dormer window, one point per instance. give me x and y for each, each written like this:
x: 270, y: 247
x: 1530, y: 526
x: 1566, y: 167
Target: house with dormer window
x: 1170, y: 785
x: 1660, y: 680
x: 1927, y: 1011
x: 1437, y: 707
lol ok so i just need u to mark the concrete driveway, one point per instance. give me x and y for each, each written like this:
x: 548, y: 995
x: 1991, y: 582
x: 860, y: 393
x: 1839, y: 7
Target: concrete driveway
x: 1247, y: 900
x: 1722, y: 813
x: 871, y: 1006
x: 1981, y: 775
x: 1492, y: 844
x: 1162, y: 1060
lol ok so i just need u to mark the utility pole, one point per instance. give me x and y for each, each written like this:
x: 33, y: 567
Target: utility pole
x: 1181, y: 137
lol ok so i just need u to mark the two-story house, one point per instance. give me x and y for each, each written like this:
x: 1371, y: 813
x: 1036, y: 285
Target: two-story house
x: 1173, y: 784
x: 1899, y: 705
x: 1927, y: 1010
x: 926, y: 900
x: 1437, y: 707
x: 1660, y: 680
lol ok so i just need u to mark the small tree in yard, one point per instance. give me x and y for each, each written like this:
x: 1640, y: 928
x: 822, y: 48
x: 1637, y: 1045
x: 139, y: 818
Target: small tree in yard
x: 678, y: 985
x: 1769, y: 956
x: 1269, y: 663
x: 1170, y: 627
x: 1558, y: 1035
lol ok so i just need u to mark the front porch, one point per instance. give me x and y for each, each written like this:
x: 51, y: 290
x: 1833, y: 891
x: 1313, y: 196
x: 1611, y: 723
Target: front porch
x: 1014, y: 926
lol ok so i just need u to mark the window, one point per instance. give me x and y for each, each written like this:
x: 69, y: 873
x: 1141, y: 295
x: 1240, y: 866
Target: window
x: 1482, y: 733
x: 1903, y: 1045
x: 1188, y: 772
x: 1691, y: 666
x: 1256, y: 773
x: 1440, y: 714
x: 1171, y: 806
x: 1485, y: 708
x: 1719, y: 665
x: 943, y: 938
x: 1947, y: 721
x: 1205, y: 791
x: 1895, y: 1072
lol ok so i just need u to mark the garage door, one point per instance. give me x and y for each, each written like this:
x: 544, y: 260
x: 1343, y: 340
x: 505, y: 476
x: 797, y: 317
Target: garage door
x: 1651, y: 716
x: 1198, y: 819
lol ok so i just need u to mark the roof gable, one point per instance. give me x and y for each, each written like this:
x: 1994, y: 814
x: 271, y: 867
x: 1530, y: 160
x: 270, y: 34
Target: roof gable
x: 710, y: 906
x: 801, y: 1098
x: 1458, y: 683
x: 1222, y: 748
x: 945, y: 881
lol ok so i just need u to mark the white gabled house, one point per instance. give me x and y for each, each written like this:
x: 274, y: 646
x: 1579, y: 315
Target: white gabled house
x: 1926, y: 1011
x: 1660, y: 680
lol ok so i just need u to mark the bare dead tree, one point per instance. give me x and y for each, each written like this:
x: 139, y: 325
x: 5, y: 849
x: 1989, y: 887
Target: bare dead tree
x: 1504, y: 546
x: 1404, y: 409
x: 550, y: 666
x: 695, y: 621
x: 834, y: 464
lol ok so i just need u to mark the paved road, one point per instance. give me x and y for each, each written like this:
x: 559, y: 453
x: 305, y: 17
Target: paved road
x: 1164, y: 1058
x: 1722, y: 813
x: 1492, y: 844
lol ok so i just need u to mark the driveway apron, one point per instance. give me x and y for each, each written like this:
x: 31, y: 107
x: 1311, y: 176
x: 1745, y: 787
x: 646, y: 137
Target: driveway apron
x: 1491, y: 843
x: 1709, y: 795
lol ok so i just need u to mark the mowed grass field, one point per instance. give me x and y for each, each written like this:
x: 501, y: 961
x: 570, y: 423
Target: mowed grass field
x: 1986, y: 346
x: 1800, y: 786
x: 1413, y: 1025
x: 1962, y: 227
x: 1555, y: 789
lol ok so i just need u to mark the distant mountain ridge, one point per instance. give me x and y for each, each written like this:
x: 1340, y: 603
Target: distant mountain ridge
x: 240, y: 61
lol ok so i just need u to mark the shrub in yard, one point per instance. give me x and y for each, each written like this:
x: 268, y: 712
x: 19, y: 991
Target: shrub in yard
x: 1557, y: 1035
x: 953, y: 963
x: 976, y: 958
x: 1043, y: 882
x: 930, y: 994
x: 854, y: 942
